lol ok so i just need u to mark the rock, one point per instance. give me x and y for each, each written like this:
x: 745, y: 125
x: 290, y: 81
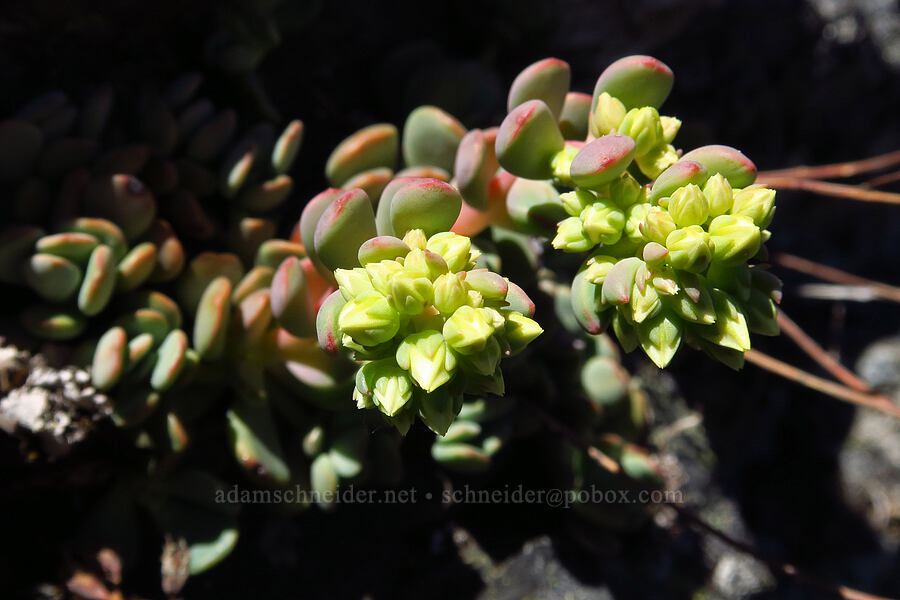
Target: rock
x: 737, y: 576
x: 879, y: 365
x: 57, y: 407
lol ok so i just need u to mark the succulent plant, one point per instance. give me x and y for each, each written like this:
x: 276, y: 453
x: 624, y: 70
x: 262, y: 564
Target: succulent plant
x: 150, y: 245
x: 411, y: 307
x: 669, y: 235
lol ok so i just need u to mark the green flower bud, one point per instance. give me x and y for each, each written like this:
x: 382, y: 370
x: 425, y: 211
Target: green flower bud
x: 603, y: 221
x: 562, y: 163
x: 438, y: 409
x: 385, y: 384
x: 719, y: 195
x: 657, y: 225
x: 468, y: 329
x: 735, y: 239
x: 688, y: 206
x: 362, y: 400
x: 660, y: 337
x: 484, y: 361
x: 381, y: 273
x: 455, y: 249
x: 449, y: 293
x: 415, y: 238
x: 608, y: 115
x: 657, y: 160
x: 598, y: 267
x: 757, y: 203
x: 670, y: 127
x: 369, y: 320
x: 425, y: 263
x: 689, y: 249
x: 475, y: 299
x: 645, y: 302
x: 626, y: 190
x: 428, y: 358
x: 353, y: 282
x: 520, y: 331
x: 644, y: 127
x: 634, y: 216
x: 730, y: 328
x: 410, y: 294
x: 692, y: 300
x: 575, y: 202
x: 570, y: 236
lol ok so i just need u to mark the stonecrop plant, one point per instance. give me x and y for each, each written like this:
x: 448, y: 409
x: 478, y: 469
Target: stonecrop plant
x: 151, y: 251
x: 425, y: 317
x: 425, y: 324
x: 673, y: 239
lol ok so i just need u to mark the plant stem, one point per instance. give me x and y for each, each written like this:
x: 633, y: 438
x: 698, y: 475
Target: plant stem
x: 820, y: 271
x: 818, y: 354
x: 838, y: 170
x: 835, y: 390
x: 882, y: 180
x: 826, y: 188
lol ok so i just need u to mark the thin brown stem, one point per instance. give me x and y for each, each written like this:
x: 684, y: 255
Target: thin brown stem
x: 820, y: 271
x: 835, y: 390
x: 818, y: 354
x: 826, y: 188
x: 838, y: 170
x: 788, y: 569
x: 881, y: 180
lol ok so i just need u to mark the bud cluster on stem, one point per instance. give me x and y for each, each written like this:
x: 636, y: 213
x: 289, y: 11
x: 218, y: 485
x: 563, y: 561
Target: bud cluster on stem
x: 426, y: 325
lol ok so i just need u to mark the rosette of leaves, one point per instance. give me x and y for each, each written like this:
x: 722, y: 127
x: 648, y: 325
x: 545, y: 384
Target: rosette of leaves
x: 673, y: 239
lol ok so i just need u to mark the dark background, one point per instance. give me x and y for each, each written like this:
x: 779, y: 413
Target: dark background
x: 786, y: 81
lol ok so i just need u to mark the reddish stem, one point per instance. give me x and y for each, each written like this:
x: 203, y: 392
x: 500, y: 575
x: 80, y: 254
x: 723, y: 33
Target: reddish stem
x: 838, y: 170
x: 835, y: 390
x: 826, y: 188
x: 824, y: 272
x: 818, y: 354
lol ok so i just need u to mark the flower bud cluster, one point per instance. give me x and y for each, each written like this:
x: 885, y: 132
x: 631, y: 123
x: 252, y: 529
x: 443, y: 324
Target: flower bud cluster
x: 428, y: 326
x: 652, y: 134
x: 675, y: 269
